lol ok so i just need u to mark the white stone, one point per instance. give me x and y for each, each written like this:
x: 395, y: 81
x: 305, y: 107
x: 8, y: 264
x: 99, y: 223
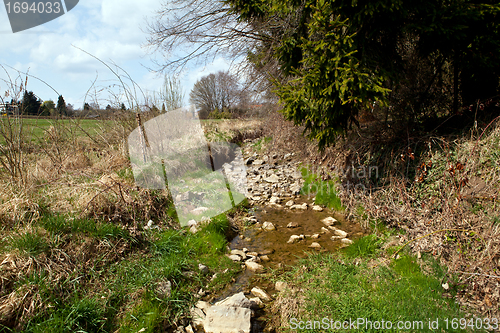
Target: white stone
x: 256, y: 291
x: 328, y: 221
x: 289, y: 203
x: 268, y: 226
x: 234, y: 257
x: 292, y: 225
x: 315, y: 245
x: 253, y: 266
x: 240, y: 253
x: 315, y: 236
x: 275, y: 200
x: 346, y: 241
x: 238, y: 300
x: 272, y: 179
x: 341, y: 233
x: 317, y: 208
x: 256, y: 302
x: 192, y: 222
x: 202, y: 305
x: 222, y: 319
x: 300, y: 207
x: 189, y: 329
x: 324, y: 230
x: 293, y: 239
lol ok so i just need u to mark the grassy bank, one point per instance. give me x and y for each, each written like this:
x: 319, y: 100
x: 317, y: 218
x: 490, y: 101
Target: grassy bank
x: 75, y: 250
x: 440, y: 189
x: 375, y: 283
x: 65, y: 274
x: 353, y: 290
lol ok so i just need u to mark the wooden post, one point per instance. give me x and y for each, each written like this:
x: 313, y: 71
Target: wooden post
x: 144, y: 138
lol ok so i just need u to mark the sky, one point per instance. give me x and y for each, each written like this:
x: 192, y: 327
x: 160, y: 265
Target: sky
x: 115, y: 31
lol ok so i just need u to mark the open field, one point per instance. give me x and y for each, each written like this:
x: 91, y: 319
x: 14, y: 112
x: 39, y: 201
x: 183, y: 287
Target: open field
x: 35, y: 130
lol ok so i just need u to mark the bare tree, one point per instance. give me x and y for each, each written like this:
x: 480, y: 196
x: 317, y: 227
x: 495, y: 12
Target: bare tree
x: 199, y: 30
x: 219, y: 91
x: 186, y: 30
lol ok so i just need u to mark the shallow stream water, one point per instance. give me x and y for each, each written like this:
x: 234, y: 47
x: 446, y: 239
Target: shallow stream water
x: 274, y: 243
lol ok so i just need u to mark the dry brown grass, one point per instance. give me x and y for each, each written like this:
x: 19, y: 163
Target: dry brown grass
x: 289, y: 304
x: 429, y: 186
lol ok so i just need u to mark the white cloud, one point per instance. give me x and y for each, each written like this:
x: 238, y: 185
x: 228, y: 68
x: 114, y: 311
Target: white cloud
x: 112, y: 30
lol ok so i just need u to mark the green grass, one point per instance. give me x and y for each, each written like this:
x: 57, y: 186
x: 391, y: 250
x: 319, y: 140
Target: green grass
x: 324, y: 191
x: 337, y: 289
x: 31, y: 243
x: 122, y: 294
x: 261, y: 143
x: 366, y: 247
x: 60, y: 224
x: 34, y: 129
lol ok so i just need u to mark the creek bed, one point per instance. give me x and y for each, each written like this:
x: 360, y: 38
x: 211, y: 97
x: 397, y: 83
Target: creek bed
x: 274, y: 244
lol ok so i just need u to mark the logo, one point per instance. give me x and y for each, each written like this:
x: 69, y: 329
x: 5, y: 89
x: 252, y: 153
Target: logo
x: 26, y: 14
x: 171, y: 151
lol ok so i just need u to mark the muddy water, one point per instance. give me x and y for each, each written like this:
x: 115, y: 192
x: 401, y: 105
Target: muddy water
x: 281, y: 254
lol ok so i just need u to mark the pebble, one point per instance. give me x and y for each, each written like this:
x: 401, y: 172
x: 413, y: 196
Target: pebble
x: 268, y: 226
x: 328, y: 221
x: 317, y: 208
x: 253, y: 266
x: 256, y: 291
x: 203, y: 268
x: 234, y: 257
x: 280, y: 285
x: 341, y: 233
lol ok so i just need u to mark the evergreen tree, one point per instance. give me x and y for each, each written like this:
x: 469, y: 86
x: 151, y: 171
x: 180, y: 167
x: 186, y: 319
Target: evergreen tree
x: 336, y: 58
x: 31, y: 104
x: 61, y: 106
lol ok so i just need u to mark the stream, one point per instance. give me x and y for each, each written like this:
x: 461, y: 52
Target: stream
x: 274, y: 247
x: 282, y: 228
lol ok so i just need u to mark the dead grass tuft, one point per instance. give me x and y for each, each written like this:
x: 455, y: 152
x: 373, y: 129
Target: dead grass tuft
x: 19, y: 209
x: 289, y: 304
